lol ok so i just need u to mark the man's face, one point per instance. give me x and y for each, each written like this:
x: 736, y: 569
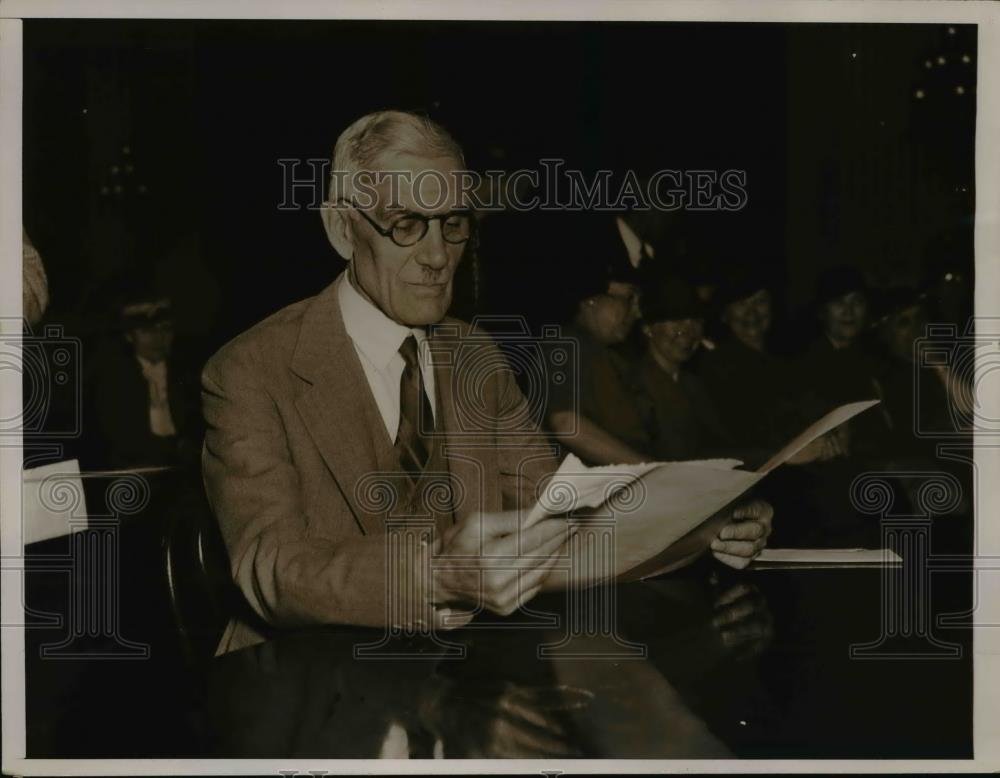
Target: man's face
x: 902, y: 329
x: 610, y: 316
x: 412, y: 285
x: 152, y: 342
x: 749, y: 319
x: 844, y: 317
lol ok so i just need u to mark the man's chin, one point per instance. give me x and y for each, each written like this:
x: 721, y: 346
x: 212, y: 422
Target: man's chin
x: 426, y: 312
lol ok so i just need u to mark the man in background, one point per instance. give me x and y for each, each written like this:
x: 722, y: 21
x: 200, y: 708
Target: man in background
x: 142, y: 402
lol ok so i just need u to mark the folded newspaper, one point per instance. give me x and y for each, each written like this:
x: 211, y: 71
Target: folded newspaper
x: 663, y: 513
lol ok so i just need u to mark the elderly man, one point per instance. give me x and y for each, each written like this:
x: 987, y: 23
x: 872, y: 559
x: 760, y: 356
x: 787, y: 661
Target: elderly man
x: 342, y: 415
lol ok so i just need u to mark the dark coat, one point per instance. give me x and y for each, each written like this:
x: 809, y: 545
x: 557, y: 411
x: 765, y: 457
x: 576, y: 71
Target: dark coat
x: 117, y: 412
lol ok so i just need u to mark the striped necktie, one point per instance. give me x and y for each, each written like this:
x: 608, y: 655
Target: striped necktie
x: 415, y: 419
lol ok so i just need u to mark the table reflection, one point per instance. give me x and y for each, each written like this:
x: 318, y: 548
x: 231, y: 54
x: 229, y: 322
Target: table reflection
x: 305, y: 695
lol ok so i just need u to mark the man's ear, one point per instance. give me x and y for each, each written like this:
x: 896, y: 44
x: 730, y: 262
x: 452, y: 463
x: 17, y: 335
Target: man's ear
x: 339, y: 230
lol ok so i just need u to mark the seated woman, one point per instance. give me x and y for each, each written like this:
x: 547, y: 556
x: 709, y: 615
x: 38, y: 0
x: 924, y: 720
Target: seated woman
x: 593, y: 414
x: 755, y: 391
x: 683, y: 420
x: 929, y: 397
x: 839, y: 367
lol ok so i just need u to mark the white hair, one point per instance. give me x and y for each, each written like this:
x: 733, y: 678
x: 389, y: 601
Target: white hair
x: 363, y: 145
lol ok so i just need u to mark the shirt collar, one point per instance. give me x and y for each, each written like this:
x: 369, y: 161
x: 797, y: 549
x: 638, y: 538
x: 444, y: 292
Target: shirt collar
x: 152, y: 367
x: 375, y: 334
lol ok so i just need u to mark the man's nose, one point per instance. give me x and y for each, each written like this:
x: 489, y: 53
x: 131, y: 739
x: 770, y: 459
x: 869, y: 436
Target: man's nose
x: 432, y: 251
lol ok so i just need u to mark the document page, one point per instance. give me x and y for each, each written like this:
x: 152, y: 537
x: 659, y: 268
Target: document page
x: 650, y: 508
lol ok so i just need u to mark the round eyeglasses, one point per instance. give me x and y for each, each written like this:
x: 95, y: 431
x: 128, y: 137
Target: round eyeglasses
x: 410, y: 228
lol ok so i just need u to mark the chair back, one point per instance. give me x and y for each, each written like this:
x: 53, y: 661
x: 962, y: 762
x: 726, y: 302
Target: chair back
x: 203, y: 596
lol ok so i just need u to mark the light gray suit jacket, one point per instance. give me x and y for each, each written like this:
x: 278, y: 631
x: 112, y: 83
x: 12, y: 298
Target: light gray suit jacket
x: 293, y: 428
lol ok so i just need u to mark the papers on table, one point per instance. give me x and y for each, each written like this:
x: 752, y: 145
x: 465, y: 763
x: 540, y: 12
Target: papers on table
x: 802, y: 558
x: 52, y: 501
x: 664, y: 512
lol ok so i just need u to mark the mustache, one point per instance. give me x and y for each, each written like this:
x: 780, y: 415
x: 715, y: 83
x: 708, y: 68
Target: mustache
x: 430, y: 276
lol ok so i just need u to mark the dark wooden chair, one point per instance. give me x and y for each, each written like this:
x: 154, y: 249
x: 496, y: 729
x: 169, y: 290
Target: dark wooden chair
x: 203, y: 596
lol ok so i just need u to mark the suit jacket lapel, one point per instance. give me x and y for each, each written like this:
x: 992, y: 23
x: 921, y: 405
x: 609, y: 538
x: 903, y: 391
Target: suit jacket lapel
x: 337, y: 407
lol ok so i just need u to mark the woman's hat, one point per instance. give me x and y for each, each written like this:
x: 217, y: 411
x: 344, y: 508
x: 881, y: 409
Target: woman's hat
x: 666, y: 297
x: 838, y: 281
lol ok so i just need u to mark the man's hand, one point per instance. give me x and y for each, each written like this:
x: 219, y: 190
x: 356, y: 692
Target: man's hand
x: 488, y: 560
x: 743, y: 621
x: 745, y: 536
x: 826, y: 447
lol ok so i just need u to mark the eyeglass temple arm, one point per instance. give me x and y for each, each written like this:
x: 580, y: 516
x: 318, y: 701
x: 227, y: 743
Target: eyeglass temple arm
x: 385, y: 233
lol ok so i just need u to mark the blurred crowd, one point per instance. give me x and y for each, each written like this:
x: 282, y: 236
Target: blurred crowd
x: 690, y: 357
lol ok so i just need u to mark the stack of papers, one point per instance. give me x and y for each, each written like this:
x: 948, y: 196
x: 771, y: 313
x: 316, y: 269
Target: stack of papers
x: 52, y: 501
x: 811, y: 558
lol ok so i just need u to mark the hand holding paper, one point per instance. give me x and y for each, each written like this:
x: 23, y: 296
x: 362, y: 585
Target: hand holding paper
x: 492, y: 539
x: 664, y: 514
x: 745, y: 536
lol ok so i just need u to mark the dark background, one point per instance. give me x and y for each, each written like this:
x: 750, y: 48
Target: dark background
x: 151, y: 147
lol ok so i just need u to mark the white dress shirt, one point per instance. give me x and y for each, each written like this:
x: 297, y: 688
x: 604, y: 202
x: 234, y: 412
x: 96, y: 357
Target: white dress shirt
x: 377, y: 339
x: 161, y: 423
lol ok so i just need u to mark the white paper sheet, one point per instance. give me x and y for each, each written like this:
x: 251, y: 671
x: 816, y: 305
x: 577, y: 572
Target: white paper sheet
x: 52, y: 501
x: 575, y: 486
x: 831, y: 421
x: 659, y: 510
x: 826, y: 556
